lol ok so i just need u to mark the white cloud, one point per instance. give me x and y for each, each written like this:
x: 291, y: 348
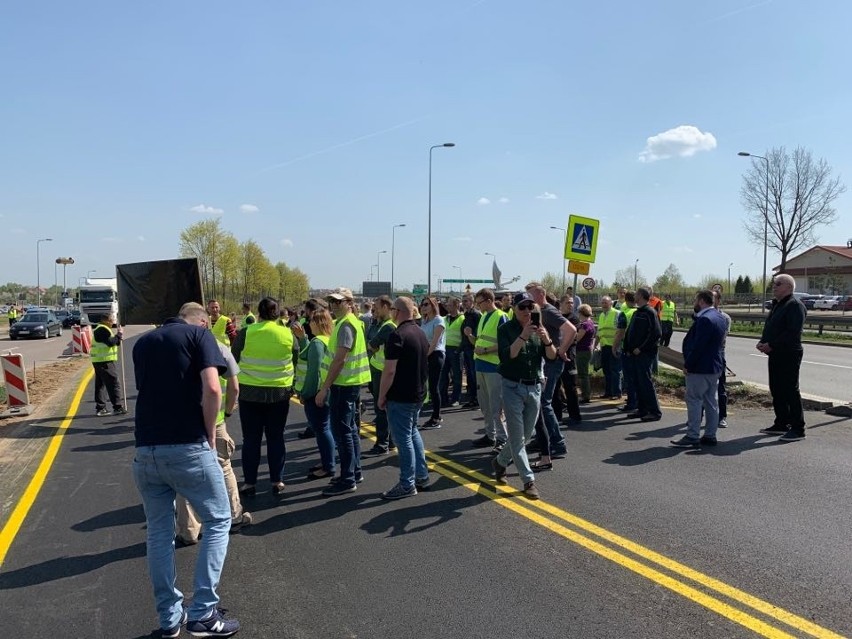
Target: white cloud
x: 462, y: 238
x: 697, y: 216
x: 546, y: 196
x: 683, y: 141
x: 141, y: 238
x: 203, y: 209
x: 286, y: 242
x: 483, y: 201
x: 682, y: 249
x: 249, y: 208
x: 503, y: 200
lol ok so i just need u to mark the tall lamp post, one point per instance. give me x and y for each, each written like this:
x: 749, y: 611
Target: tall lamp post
x: 729, y: 277
x: 460, y: 277
x: 393, y: 251
x: 38, y: 268
x: 429, y: 256
x: 564, y: 242
x: 746, y: 154
x: 635, y: 274
x: 372, y: 267
x: 378, y: 262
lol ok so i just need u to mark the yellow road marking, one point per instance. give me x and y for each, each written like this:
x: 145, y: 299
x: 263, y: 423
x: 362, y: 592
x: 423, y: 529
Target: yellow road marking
x: 22, y: 508
x: 510, y: 499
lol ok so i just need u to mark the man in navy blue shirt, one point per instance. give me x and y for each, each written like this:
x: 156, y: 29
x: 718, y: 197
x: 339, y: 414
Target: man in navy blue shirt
x: 177, y: 370
x: 702, y: 364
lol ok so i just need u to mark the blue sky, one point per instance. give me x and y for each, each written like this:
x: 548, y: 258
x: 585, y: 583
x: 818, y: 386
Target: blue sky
x: 306, y: 127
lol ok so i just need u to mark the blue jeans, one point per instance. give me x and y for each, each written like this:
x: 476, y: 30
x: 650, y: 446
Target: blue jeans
x: 611, y: 366
x: 452, y: 370
x: 629, y: 372
x: 402, y: 419
x: 344, y: 427
x: 646, y: 394
x: 193, y: 471
x: 521, y: 404
x: 553, y: 372
x: 701, y: 398
x: 318, y: 418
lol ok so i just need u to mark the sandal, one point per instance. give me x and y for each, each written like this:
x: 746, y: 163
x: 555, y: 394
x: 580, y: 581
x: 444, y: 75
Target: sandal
x: 539, y: 465
x: 319, y: 473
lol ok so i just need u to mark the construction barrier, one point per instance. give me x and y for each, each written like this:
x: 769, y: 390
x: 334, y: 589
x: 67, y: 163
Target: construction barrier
x: 15, y: 376
x: 81, y: 339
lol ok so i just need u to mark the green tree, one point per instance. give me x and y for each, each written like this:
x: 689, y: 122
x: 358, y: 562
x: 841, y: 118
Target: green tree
x: 200, y: 240
x: 670, y: 281
x: 738, y: 286
x: 748, y: 287
x: 709, y: 280
x: 552, y: 283
x: 630, y: 277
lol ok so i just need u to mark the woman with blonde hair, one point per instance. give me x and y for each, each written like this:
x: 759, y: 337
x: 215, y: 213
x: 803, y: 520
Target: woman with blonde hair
x: 308, y: 383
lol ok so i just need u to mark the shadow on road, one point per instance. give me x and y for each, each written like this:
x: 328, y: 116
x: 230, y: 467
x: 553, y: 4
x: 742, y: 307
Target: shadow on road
x: 400, y: 521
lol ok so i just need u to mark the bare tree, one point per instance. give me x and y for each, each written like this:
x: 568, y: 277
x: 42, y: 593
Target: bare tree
x: 801, y: 194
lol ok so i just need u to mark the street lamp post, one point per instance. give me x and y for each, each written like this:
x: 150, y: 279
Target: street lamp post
x: 378, y: 262
x: 38, y: 268
x: 635, y: 274
x: 429, y: 256
x: 564, y: 241
x: 746, y: 154
x: 460, y: 277
x: 372, y: 266
x: 393, y: 251
x: 729, y: 277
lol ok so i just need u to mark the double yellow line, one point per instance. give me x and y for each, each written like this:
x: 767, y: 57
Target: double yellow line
x: 679, y: 578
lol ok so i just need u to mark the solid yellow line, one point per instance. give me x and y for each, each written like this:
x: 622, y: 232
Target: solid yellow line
x: 22, y: 508
x: 443, y: 464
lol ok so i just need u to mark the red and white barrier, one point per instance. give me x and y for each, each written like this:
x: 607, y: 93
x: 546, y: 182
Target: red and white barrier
x: 81, y: 339
x: 15, y: 376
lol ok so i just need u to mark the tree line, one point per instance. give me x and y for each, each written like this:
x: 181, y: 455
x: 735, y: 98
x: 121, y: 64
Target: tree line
x: 235, y: 272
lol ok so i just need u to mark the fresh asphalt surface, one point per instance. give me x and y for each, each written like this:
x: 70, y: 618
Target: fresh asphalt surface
x: 769, y: 519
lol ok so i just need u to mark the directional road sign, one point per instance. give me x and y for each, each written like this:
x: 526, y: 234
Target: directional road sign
x: 578, y: 268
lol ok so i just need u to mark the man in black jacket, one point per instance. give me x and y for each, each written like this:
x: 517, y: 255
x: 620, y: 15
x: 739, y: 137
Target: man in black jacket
x: 782, y: 342
x: 640, y: 345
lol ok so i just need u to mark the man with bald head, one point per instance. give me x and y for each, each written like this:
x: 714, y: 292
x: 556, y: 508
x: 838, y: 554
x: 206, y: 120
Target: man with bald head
x: 782, y: 343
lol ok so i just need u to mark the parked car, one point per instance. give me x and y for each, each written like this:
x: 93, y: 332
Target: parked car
x: 62, y: 315
x: 39, y: 323
x: 810, y: 300
x: 834, y: 303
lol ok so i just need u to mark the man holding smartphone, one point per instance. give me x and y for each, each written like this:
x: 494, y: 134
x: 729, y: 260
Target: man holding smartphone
x: 561, y: 332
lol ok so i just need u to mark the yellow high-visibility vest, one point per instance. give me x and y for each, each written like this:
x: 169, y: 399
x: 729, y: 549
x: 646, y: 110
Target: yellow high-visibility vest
x: 356, y: 366
x: 218, y: 330
x: 99, y: 351
x: 606, y: 327
x: 377, y: 359
x: 267, y: 358
x: 454, y: 332
x: 668, y: 313
x: 486, y: 335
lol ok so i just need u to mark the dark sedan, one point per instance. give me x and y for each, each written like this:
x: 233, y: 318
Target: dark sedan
x: 75, y: 317
x: 41, y: 323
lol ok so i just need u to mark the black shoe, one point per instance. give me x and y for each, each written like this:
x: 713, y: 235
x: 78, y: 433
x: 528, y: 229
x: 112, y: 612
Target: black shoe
x: 708, y: 441
x: 375, y: 451
x: 432, y: 424
x: 339, y: 488
x: 774, y: 430
x: 471, y: 404
x: 686, y: 442
x: 308, y: 433
x: 559, y: 451
x: 483, y: 442
x: 636, y: 415
x: 792, y: 436
x: 651, y: 418
x: 533, y: 447
x: 421, y: 483
x: 120, y: 410
x: 626, y: 409
x: 499, y: 471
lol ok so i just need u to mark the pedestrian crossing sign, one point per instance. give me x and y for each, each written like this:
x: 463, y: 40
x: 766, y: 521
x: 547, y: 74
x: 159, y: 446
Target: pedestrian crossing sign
x: 581, y: 241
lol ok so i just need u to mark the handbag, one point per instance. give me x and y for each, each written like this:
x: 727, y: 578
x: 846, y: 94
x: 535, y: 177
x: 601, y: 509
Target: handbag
x: 597, y: 362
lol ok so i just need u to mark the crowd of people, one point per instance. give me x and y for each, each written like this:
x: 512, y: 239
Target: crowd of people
x: 524, y: 360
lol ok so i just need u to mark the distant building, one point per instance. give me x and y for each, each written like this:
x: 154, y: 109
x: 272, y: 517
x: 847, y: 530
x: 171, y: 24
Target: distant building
x: 822, y: 269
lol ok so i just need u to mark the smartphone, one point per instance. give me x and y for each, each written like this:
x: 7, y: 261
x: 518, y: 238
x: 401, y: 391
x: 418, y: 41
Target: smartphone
x: 535, y: 318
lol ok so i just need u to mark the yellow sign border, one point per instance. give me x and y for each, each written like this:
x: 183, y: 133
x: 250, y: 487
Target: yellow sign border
x: 577, y: 220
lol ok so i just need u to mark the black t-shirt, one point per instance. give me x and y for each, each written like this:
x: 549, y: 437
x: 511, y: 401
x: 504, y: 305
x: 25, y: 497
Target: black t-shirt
x: 408, y: 346
x: 168, y: 362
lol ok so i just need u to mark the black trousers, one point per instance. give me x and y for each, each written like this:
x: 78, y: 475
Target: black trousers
x: 258, y: 419
x: 436, y: 363
x: 107, y: 385
x: 784, y: 386
x: 565, y: 398
x: 668, y: 329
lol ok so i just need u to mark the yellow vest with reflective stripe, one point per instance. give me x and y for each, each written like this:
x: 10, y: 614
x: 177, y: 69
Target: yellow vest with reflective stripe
x: 626, y: 310
x: 606, y: 327
x: 302, y: 364
x: 668, y: 312
x: 356, y: 366
x: 13, y: 313
x: 454, y: 332
x: 377, y: 359
x: 99, y: 351
x: 267, y: 358
x: 218, y: 330
x: 486, y: 335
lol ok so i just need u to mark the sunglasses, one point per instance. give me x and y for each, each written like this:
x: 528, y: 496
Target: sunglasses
x: 526, y: 306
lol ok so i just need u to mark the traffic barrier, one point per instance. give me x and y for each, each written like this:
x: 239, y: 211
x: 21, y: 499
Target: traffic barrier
x: 81, y: 338
x: 15, y: 376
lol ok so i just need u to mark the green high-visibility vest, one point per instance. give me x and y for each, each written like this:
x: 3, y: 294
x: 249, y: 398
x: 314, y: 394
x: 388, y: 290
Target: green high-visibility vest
x: 454, y: 332
x: 218, y: 330
x: 302, y: 364
x: 377, y: 359
x: 267, y: 358
x: 13, y: 313
x: 356, y: 366
x: 486, y: 335
x: 99, y: 351
x: 249, y: 319
x: 606, y: 327
x: 668, y: 313
x: 626, y: 310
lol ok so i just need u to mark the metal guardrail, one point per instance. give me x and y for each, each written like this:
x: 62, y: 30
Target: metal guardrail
x: 839, y: 323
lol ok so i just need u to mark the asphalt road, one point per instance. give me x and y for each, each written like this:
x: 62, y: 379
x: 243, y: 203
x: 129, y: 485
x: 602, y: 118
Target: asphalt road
x: 631, y: 539
x: 47, y: 350
x: 826, y: 370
